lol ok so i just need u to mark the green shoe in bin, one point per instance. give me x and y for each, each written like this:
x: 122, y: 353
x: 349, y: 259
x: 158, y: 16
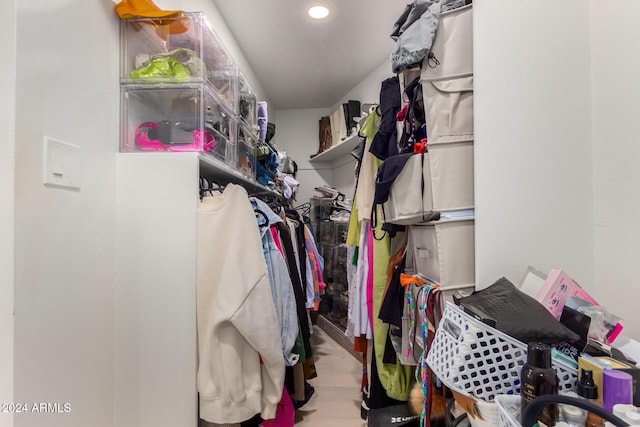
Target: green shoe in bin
x: 162, y: 68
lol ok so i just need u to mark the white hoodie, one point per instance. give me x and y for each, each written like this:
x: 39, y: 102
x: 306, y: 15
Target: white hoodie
x: 237, y: 323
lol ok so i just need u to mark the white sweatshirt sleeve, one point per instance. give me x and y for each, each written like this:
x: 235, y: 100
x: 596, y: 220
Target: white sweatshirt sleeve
x: 256, y: 320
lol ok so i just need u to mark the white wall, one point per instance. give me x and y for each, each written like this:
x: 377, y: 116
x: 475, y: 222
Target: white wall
x: 533, y: 146
x: 297, y: 134
x: 344, y: 178
x: 616, y: 91
x: 368, y: 90
x: 66, y: 88
x: 7, y: 167
x: 222, y: 30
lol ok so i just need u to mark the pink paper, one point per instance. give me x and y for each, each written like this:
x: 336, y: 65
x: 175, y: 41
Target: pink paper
x: 557, y: 289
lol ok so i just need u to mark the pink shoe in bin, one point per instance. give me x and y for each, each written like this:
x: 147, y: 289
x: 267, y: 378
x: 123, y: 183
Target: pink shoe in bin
x: 202, y: 140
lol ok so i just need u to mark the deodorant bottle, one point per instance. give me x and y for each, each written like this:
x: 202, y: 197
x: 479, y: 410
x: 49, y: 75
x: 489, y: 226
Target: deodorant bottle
x: 538, y: 378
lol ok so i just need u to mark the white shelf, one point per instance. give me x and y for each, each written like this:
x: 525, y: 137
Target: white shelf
x: 223, y: 173
x: 155, y: 286
x: 207, y: 166
x: 155, y: 291
x: 337, y: 151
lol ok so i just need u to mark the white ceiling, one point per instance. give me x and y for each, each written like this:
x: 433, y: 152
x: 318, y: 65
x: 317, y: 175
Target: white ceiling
x: 302, y: 63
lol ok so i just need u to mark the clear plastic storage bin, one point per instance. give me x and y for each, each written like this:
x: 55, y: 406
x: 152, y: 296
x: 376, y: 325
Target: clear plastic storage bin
x: 340, y: 264
x: 319, y: 210
x: 172, y: 50
x: 341, y: 261
x: 342, y: 228
x: 326, y: 233
x: 327, y: 254
x: 225, y: 82
x: 179, y: 117
x: 246, y: 101
x: 331, y: 232
x: 247, y: 150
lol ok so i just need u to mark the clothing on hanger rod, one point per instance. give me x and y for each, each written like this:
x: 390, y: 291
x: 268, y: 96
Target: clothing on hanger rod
x: 305, y: 209
x: 207, y: 185
x: 273, y: 200
x: 265, y: 195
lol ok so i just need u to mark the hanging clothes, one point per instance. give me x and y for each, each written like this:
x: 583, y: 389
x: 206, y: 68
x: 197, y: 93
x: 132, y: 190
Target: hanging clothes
x: 280, y: 282
x: 303, y: 323
x: 292, y: 224
x: 300, y: 250
x: 395, y: 377
x: 285, y: 414
x: 359, y: 323
x: 317, y: 267
x: 240, y: 370
x: 352, y: 256
x: 384, y: 143
x: 366, y: 180
x: 414, y: 37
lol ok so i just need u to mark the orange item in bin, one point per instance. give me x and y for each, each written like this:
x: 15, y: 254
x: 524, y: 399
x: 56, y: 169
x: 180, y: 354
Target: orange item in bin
x: 128, y: 9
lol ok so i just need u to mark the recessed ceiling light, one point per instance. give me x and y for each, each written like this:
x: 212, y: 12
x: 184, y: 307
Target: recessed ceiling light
x: 318, y: 12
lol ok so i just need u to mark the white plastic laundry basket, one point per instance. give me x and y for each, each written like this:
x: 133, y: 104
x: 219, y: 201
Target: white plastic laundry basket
x: 468, y: 355
x: 508, y: 410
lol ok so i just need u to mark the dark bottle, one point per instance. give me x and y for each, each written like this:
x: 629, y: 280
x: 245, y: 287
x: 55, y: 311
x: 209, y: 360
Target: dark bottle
x: 538, y: 378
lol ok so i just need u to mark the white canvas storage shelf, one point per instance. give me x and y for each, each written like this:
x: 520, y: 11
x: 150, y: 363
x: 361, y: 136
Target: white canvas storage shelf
x: 452, y: 52
x: 447, y: 172
x: 447, y: 79
x: 444, y: 252
x: 451, y: 175
x: 459, y: 292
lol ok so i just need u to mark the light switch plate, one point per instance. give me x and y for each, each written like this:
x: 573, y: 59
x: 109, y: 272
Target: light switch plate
x: 61, y: 164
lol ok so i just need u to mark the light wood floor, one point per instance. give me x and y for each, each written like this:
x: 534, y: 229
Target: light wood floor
x: 336, y: 402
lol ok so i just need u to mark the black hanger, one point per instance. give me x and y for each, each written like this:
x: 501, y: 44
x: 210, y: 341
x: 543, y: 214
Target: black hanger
x: 203, y: 187
x: 265, y: 196
x: 273, y: 200
x: 305, y: 209
x: 207, y: 185
x: 260, y: 214
x: 294, y: 215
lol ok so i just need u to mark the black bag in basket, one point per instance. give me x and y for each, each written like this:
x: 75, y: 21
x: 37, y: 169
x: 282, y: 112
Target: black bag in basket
x: 509, y: 310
